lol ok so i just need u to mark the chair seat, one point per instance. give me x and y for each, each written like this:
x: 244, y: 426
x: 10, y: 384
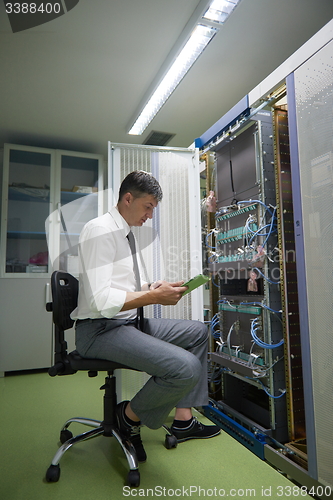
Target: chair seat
x: 77, y: 362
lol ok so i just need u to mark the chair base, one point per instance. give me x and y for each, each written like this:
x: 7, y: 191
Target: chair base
x: 68, y: 440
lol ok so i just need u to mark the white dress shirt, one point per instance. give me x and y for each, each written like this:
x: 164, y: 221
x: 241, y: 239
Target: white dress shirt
x: 106, y: 268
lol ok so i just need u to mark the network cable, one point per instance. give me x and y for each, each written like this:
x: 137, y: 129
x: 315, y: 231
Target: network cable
x: 257, y: 201
x: 262, y: 372
x: 207, y: 238
x: 229, y: 337
x: 283, y: 391
x: 254, y: 328
x: 214, y: 375
x: 261, y: 305
x: 213, y: 281
x: 271, y: 228
x: 213, y: 258
x: 259, y: 232
x: 215, y: 321
x: 265, y: 277
x: 225, y: 301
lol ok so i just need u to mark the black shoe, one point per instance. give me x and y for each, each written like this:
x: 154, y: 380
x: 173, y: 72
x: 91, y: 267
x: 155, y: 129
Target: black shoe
x: 131, y: 432
x: 195, y: 430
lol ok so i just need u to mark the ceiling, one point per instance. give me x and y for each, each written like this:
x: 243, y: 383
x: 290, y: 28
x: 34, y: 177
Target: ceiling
x: 76, y: 82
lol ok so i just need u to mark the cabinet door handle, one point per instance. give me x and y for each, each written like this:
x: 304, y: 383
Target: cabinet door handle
x: 47, y: 293
x: 59, y: 211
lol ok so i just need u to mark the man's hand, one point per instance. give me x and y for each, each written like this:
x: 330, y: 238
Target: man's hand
x: 160, y: 292
x: 155, y: 284
x: 167, y: 294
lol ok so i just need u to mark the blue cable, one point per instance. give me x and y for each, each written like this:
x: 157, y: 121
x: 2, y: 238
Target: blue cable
x: 258, y: 230
x: 271, y: 229
x: 273, y: 218
x: 259, y: 304
x: 225, y: 301
x: 260, y: 342
x: 256, y: 201
x: 218, y: 286
x: 215, y: 321
x: 271, y: 395
x: 213, y: 248
x: 265, y: 277
x: 266, y: 390
x: 257, y: 233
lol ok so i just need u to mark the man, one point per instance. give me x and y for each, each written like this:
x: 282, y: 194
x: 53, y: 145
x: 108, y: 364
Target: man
x: 173, y: 352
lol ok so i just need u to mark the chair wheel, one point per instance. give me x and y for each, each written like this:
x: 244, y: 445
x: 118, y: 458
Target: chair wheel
x: 65, y: 435
x: 53, y: 474
x: 170, y: 441
x: 133, y: 478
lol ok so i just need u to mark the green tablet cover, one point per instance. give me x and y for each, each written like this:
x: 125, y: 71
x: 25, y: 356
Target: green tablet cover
x: 195, y: 282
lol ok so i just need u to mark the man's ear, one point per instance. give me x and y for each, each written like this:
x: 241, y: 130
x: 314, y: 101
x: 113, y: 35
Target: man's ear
x: 128, y: 198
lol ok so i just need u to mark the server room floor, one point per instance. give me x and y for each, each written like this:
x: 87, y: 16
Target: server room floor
x: 33, y: 409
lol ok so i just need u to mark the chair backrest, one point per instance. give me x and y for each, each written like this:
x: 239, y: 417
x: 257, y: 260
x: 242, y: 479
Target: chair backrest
x: 65, y: 289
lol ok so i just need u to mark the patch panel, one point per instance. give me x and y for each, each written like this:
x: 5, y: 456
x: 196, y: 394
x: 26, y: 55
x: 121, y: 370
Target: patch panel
x: 254, y: 442
x: 242, y: 356
x: 235, y: 234
x: 238, y: 257
x: 235, y: 213
x: 256, y: 311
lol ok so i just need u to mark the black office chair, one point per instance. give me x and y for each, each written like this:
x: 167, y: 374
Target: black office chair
x: 64, y: 299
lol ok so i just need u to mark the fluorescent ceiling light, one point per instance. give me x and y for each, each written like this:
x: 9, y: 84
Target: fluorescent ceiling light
x: 219, y: 10
x: 217, y: 13
x: 197, y: 42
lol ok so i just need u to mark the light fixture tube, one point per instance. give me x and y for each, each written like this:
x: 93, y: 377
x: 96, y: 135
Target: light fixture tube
x: 219, y: 10
x: 197, y: 42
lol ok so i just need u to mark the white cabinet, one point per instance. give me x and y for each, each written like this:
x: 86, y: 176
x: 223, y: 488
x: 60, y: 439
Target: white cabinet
x: 28, y: 182
x: 26, y: 327
x: 47, y: 196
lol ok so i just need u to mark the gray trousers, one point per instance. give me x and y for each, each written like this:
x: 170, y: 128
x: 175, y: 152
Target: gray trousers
x: 173, y: 352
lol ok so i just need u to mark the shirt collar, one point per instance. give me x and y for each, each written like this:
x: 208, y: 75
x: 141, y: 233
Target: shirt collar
x: 120, y: 221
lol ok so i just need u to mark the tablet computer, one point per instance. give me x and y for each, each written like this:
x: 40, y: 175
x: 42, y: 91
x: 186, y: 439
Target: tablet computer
x: 193, y: 283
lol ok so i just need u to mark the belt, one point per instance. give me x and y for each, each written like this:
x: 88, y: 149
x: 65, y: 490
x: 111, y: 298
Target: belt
x: 87, y: 319
x: 123, y: 321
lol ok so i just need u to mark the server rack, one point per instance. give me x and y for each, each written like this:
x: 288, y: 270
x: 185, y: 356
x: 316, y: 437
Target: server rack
x: 270, y: 257
x: 246, y: 264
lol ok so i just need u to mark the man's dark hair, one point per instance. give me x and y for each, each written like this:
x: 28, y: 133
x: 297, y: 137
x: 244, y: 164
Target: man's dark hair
x: 140, y: 183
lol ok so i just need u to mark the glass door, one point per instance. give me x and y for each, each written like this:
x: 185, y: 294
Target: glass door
x: 81, y: 199
x: 26, y: 206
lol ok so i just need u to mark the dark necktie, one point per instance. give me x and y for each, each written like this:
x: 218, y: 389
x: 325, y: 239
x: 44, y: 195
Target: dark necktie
x: 131, y: 241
